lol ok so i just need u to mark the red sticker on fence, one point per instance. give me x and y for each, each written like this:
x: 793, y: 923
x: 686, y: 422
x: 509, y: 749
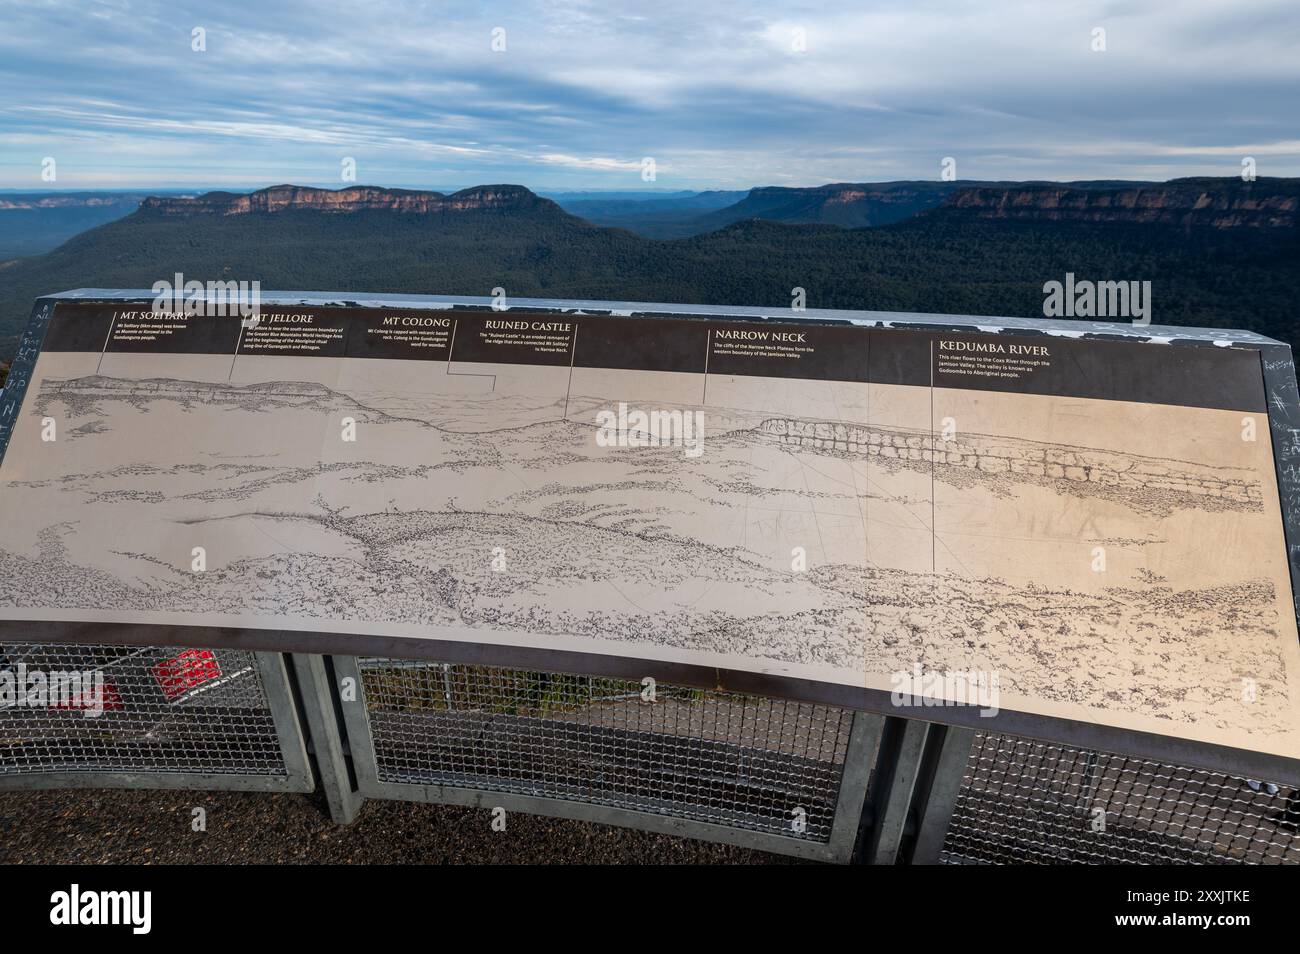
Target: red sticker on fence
x: 191, y: 668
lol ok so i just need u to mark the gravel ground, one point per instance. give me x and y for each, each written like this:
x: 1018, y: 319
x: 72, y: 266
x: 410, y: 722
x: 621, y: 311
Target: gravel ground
x: 153, y: 827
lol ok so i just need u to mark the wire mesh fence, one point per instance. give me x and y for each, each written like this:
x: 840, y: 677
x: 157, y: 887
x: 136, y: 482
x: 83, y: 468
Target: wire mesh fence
x: 139, y: 710
x: 1028, y: 802
x: 742, y: 761
x: 755, y: 763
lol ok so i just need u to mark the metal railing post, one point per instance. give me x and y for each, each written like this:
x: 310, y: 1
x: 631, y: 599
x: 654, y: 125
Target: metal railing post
x: 898, y: 768
x: 947, y: 750
x: 325, y: 726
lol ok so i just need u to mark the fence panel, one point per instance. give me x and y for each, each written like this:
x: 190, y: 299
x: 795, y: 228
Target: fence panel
x: 1028, y: 802
x: 157, y: 717
x: 766, y: 773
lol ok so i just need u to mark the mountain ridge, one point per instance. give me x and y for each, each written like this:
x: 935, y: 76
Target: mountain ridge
x: 1214, y: 203
x: 846, y: 204
x: 991, y: 257
x: 1186, y: 203
x: 292, y: 198
x: 1222, y: 203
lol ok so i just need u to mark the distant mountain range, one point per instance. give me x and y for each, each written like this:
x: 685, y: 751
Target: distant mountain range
x: 1218, y: 202
x: 31, y: 223
x: 675, y: 215
x: 1219, y: 252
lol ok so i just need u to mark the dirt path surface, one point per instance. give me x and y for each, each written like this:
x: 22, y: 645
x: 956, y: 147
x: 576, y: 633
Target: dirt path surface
x: 151, y: 827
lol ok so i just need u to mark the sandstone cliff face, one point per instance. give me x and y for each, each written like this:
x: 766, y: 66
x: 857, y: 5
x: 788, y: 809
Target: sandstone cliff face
x: 1213, y: 203
x: 287, y: 198
x: 1221, y: 207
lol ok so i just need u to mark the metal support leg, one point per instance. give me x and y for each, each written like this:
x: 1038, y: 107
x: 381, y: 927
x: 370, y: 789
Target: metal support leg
x: 323, y: 722
x: 898, y: 769
x: 947, y: 751
x: 864, y: 741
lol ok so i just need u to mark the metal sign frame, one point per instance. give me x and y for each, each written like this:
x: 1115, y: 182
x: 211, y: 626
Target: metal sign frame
x: 1279, y: 381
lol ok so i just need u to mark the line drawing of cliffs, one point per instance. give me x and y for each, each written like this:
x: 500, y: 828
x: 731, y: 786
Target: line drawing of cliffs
x: 1009, y: 458
x: 1163, y: 482
x: 84, y: 395
x: 632, y: 545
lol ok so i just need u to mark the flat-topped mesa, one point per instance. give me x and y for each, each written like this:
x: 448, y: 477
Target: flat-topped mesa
x: 1018, y: 459
x: 846, y: 204
x: 290, y: 198
x: 1184, y: 202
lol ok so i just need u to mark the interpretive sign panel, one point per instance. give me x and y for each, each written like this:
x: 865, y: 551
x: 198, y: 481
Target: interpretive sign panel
x: 1079, y: 529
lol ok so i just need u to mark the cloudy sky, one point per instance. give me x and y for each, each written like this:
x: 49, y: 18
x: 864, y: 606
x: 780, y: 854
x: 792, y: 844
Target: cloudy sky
x: 720, y: 95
